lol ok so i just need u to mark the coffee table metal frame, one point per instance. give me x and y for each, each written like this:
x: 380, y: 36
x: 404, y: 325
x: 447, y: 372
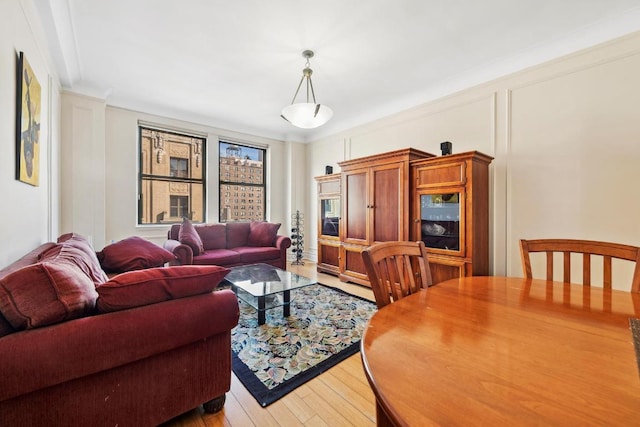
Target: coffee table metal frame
x: 255, y: 283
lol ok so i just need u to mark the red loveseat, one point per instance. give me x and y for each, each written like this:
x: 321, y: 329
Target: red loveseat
x: 228, y: 244
x: 135, y: 350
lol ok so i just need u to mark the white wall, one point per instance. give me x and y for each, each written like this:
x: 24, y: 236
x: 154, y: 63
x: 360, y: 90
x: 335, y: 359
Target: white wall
x: 83, y: 167
x: 566, y: 140
x: 29, y: 214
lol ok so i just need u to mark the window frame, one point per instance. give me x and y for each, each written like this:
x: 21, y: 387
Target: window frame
x: 153, y: 155
x: 231, y: 193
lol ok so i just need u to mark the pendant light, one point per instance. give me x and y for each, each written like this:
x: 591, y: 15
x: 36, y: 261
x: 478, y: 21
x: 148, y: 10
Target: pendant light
x: 306, y: 115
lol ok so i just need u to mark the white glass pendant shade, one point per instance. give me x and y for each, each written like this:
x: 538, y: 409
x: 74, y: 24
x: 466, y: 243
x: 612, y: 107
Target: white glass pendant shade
x: 307, y: 115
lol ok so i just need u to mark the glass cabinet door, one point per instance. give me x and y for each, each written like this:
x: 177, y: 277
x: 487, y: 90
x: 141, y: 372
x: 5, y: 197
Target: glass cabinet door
x: 330, y: 217
x: 440, y: 220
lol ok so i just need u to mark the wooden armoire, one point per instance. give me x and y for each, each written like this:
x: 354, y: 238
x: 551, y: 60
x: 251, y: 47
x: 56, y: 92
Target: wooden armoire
x: 450, y: 213
x: 375, y: 207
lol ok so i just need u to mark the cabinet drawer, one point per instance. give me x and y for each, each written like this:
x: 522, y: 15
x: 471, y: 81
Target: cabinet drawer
x: 439, y: 175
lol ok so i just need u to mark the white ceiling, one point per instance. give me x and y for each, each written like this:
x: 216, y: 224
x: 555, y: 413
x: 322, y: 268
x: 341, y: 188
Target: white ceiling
x: 235, y: 64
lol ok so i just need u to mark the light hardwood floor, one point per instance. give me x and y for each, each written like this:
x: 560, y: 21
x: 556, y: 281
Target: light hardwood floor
x: 340, y: 396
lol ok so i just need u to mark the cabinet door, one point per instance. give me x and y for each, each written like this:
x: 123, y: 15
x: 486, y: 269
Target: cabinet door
x: 355, y: 222
x: 328, y: 256
x: 446, y: 267
x: 329, y: 218
x: 440, y: 220
x: 387, y: 204
x: 351, y: 265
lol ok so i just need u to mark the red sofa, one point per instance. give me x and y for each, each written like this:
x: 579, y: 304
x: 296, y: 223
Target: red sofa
x: 229, y: 244
x: 104, y: 359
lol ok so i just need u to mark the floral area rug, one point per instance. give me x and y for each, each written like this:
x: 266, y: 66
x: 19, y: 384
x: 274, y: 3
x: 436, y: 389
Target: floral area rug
x: 324, y: 328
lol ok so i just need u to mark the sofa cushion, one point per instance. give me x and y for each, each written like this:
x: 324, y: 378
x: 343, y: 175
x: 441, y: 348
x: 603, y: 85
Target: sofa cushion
x: 190, y: 237
x: 217, y: 257
x: 263, y: 233
x: 214, y: 236
x: 133, y: 253
x: 150, y: 286
x: 252, y: 254
x: 237, y: 234
x: 46, y: 293
x: 76, y: 249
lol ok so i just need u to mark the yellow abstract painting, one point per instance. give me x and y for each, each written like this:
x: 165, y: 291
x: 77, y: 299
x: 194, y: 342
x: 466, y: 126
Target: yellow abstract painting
x: 29, y: 106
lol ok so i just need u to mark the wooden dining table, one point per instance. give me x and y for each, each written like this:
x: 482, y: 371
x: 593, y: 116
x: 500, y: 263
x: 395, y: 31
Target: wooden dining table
x: 504, y: 351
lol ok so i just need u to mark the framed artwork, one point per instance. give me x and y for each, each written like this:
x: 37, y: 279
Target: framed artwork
x: 27, y: 124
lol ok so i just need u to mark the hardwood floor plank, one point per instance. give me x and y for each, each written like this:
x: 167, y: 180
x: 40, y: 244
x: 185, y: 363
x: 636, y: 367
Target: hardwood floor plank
x: 335, y: 403
x: 298, y: 406
x: 257, y: 413
x: 284, y: 415
x: 316, y: 421
x: 326, y: 411
x: 361, y: 388
x: 354, y: 369
x: 215, y: 420
x: 235, y: 413
x: 303, y: 391
x: 356, y: 397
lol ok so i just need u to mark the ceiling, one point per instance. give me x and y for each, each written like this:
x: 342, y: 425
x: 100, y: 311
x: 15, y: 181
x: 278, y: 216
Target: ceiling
x: 236, y: 64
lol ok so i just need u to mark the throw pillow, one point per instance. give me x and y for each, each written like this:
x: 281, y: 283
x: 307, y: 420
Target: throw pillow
x: 190, y: 237
x: 214, y: 236
x: 263, y: 233
x: 144, y: 287
x: 77, y: 249
x: 46, y: 293
x: 133, y: 253
x: 237, y: 234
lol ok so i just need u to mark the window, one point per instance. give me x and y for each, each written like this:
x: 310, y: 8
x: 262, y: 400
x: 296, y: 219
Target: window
x: 171, y: 177
x: 179, y: 167
x: 179, y: 206
x: 245, y: 180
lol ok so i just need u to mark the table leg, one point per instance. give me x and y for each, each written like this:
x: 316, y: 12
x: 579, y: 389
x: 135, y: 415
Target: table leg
x: 382, y: 420
x: 261, y: 310
x: 286, y: 308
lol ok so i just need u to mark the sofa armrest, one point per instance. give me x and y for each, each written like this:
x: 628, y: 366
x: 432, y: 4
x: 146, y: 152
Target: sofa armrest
x: 183, y: 253
x: 43, y: 357
x: 282, y: 242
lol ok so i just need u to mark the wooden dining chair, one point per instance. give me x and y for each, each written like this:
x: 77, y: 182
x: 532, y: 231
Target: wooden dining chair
x: 396, y: 269
x: 587, y: 248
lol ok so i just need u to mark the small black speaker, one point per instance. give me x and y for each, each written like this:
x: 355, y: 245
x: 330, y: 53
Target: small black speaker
x: 446, y: 147
x: 328, y: 170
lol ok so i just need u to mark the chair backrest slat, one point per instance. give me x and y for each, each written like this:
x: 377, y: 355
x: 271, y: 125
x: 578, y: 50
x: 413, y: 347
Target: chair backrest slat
x: 396, y: 269
x: 586, y: 269
x: 566, y: 264
x: 606, y: 271
x: 608, y: 251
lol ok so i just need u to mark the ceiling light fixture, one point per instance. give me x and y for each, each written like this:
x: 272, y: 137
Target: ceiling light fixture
x: 306, y: 115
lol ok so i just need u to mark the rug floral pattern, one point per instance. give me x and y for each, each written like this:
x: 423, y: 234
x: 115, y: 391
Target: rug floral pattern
x: 324, y: 321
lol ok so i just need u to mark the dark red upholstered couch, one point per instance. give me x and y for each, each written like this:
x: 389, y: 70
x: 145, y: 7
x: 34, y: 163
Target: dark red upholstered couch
x: 231, y: 244
x: 133, y: 367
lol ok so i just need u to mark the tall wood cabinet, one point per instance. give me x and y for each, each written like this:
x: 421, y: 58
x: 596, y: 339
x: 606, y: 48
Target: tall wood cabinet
x: 375, y: 198
x: 329, y: 223
x: 450, y: 213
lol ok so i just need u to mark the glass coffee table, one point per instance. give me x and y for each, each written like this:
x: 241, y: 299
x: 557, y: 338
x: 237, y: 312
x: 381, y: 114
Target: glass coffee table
x: 264, y: 286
